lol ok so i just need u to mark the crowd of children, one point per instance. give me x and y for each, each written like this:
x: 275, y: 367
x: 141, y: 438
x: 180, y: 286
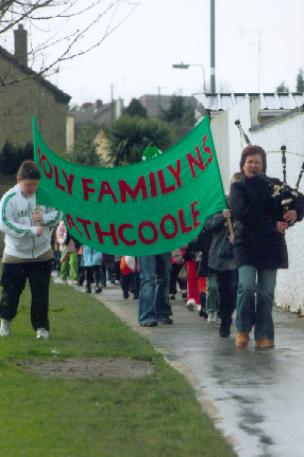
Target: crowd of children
x: 206, y: 273
x: 203, y: 272
x: 83, y: 266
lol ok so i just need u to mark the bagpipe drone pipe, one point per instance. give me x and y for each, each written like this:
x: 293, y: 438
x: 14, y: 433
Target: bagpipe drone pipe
x: 282, y: 192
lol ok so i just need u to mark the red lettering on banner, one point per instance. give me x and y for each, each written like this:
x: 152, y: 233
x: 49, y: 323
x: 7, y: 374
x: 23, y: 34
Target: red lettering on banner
x: 48, y: 173
x: 168, y: 217
x: 176, y: 173
x: 57, y: 183
x: 85, y: 224
x: 163, y: 187
x: 112, y: 233
x: 195, y: 213
x: 147, y: 232
x: 86, y: 189
x: 69, y: 180
x: 193, y: 161
x: 207, y: 149
x: 72, y: 224
x: 182, y: 220
x: 121, y: 235
x: 153, y: 186
x: 141, y: 227
x: 106, y: 189
x: 126, y: 189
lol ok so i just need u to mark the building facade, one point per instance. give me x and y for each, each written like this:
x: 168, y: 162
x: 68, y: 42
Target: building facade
x: 24, y: 93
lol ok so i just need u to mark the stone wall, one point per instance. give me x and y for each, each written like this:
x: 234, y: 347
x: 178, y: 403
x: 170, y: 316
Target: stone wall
x: 18, y: 103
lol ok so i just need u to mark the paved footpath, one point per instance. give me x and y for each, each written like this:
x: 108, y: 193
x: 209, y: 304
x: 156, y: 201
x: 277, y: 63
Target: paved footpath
x: 255, y: 397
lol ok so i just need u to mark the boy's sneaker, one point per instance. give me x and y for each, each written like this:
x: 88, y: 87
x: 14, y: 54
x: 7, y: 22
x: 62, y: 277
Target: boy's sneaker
x: 42, y: 334
x: 5, y: 327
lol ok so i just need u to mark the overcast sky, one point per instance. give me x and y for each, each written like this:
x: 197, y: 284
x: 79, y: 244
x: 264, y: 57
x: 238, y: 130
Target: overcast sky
x: 137, y: 58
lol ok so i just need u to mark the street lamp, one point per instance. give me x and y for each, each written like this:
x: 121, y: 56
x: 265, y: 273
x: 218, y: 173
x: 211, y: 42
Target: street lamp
x: 185, y: 66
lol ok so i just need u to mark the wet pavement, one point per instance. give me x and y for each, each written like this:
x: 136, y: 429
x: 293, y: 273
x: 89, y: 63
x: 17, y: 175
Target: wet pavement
x: 254, y: 396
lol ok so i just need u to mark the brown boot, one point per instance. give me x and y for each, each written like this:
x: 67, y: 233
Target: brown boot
x: 241, y: 339
x: 264, y: 343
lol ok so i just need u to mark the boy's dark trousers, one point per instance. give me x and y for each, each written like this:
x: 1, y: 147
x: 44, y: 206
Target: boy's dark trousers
x: 13, y: 280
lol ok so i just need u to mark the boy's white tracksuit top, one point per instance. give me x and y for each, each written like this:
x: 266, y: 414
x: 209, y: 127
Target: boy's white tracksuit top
x: 16, y: 222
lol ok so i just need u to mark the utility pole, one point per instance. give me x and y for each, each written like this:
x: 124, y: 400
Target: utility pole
x: 212, y: 47
x: 258, y: 43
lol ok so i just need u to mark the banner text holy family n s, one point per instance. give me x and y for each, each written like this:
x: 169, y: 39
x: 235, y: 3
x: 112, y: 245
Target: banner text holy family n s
x: 146, y: 208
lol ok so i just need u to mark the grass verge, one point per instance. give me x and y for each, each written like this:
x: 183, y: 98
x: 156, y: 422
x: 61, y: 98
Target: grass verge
x: 156, y: 416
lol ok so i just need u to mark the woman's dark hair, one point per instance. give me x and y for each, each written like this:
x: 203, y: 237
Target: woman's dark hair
x: 251, y: 150
x: 29, y: 170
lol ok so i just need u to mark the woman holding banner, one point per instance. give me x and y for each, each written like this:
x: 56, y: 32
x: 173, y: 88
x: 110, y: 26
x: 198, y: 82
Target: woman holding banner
x: 260, y: 246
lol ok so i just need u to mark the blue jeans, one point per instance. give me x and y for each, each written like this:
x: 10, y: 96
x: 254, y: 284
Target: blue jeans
x: 154, y: 271
x: 254, y: 301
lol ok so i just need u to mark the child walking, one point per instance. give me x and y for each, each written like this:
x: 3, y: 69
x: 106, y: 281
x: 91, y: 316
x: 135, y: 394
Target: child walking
x: 222, y: 266
x: 129, y: 278
x: 92, y: 264
x: 68, y: 247
x: 27, y: 252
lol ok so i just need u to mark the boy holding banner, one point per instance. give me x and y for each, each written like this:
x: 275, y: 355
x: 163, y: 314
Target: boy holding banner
x: 27, y: 253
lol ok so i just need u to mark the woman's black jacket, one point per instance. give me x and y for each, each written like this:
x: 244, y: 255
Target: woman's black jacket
x: 255, y: 213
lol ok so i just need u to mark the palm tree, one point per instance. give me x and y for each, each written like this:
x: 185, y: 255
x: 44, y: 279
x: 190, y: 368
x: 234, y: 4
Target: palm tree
x: 130, y: 135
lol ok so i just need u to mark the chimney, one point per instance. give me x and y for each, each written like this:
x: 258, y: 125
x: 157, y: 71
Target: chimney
x: 21, y: 44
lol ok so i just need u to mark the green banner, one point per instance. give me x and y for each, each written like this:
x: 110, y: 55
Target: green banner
x: 146, y: 208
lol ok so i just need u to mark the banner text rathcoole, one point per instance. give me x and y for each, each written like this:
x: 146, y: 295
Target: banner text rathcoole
x: 140, y: 209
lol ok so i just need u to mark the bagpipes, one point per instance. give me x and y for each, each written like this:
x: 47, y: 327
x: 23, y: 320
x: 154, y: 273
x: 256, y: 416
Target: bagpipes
x: 282, y: 192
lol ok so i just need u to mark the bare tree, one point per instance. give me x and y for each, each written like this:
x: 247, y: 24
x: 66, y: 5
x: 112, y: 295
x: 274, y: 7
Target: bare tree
x: 61, y: 30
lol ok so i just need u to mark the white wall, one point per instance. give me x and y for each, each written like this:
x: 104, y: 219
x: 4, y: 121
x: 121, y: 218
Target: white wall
x: 219, y: 128
x: 227, y: 140
x: 241, y: 111
x: 289, y: 132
